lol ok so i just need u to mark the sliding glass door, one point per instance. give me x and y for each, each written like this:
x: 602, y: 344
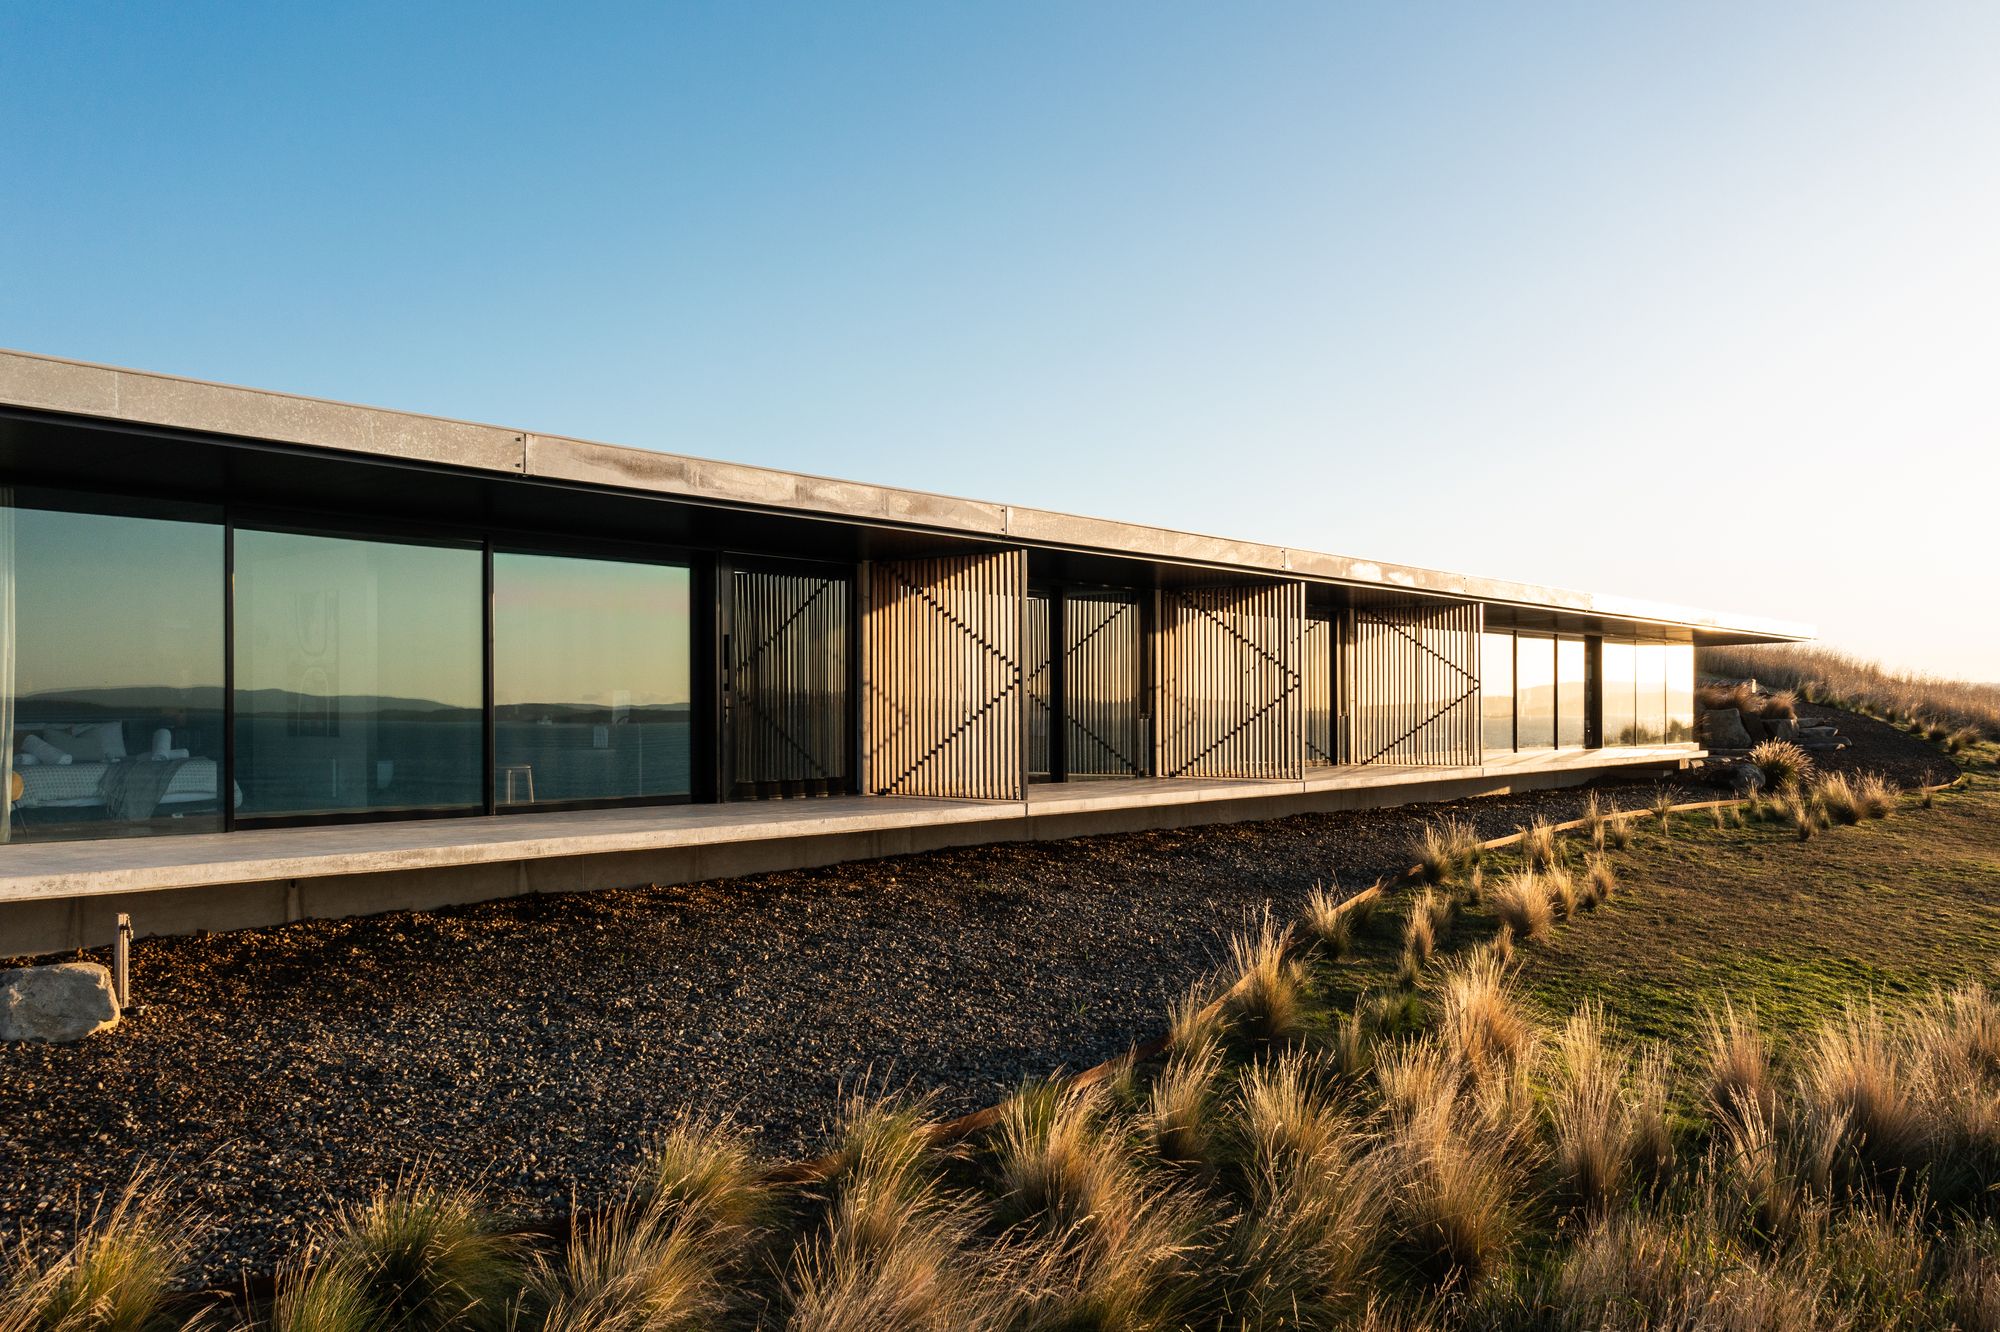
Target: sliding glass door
x: 360, y: 670
x: 591, y: 693
x: 111, y: 663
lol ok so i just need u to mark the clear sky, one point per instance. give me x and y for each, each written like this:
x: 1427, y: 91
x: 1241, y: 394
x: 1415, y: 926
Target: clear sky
x: 1693, y: 302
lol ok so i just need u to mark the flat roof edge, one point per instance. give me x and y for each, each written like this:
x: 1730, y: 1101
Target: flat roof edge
x: 148, y: 398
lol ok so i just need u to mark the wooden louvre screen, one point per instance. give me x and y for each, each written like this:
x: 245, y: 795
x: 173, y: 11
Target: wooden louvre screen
x: 1230, y: 685
x: 942, y: 676
x: 1415, y: 684
x: 1101, y: 682
x: 1319, y: 640
x: 788, y: 684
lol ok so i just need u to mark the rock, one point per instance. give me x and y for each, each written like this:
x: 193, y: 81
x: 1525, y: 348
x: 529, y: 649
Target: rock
x: 66, y: 1002
x: 1746, y: 780
x: 1782, y: 728
x: 1722, y: 728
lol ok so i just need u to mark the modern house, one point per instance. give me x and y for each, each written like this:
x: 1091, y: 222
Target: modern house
x: 265, y: 657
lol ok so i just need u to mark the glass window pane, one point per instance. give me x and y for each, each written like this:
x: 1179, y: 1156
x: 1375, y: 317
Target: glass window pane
x: 590, y: 679
x: 1621, y: 667
x: 118, y: 675
x: 1535, y: 690
x: 1571, y: 693
x: 1680, y: 693
x: 1651, y: 714
x: 359, y: 671
x: 1496, y: 692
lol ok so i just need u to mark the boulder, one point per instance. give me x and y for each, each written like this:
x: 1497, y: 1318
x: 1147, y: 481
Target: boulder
x: 66, y: 1002
x: 1782, y: 728
x: 1722, y: 728
x: 1746, y: 780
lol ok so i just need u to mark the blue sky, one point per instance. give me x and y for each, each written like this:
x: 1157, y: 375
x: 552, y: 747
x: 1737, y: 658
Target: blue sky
x: 1695, y: 302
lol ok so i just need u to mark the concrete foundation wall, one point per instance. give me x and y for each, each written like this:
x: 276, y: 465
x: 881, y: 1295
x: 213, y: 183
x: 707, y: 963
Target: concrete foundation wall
x: 55, y: 926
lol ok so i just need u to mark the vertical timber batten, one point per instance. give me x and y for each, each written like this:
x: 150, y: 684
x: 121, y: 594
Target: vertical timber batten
x: 942, y: 645
x: 1231, y: 684
x: 1415, y: 684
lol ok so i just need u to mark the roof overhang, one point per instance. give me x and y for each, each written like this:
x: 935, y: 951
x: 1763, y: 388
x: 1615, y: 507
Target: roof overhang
x: 157, y: 431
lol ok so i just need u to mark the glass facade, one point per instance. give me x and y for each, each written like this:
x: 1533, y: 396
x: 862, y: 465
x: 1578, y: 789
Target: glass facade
x: 1619, y: 685
x: 363, y: 669
x: 1572, y: 693
x: 1680, y: 694
x: 1496, y: 692
x: 591, y: 693
x: 116, y: 675
x: 1650, y: 700
x: 1535, y: 691
x: 360, y: 672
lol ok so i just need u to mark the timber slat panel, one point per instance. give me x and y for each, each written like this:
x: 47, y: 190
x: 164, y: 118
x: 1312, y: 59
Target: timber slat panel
x: 1230, y: 683
x: 1319, y: 639
x: 788, y: 674
x: 942, y: 665
x: 1414, y: 672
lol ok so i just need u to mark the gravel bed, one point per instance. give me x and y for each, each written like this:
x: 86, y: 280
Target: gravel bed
x: 531, y: 1045
x: 1880, y: 747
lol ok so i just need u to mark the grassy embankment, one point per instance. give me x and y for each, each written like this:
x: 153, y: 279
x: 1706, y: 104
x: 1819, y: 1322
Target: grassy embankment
x: 1705, y: 1078
x: 1951, y: 712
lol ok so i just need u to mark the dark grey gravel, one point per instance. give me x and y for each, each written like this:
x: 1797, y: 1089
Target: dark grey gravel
x: 532, y: 1045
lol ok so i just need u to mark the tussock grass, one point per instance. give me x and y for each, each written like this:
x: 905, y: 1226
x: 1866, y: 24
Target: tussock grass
x: 894, y: 1251
x: 1662, y: 809
x: 1265, y: 1005
x: 1521, y: 901
x: 1593, y: 821
x: 1194, y: 1019
x: 1179, y: 1119
x: 1783, y: 763
x: 1479, y: 1021
x: 1590, y: 1120
x: 1445, y: 848
x: 1840, y: 797
x: 638, y: 1267
x: 1563, y: 892
x: 1854, y: 1072
x: 1540, y: 845
x: 1420, y: 927
x: 426, y: 1256
x: 707, y: 1169
x: 1600, y: 880
x: 1740, y: 1080
x: 1327, y: 923
x: 116, y: 1277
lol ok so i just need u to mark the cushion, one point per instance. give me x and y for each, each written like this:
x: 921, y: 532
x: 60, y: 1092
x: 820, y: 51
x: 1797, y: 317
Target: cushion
x: 103, y: 742
x: 25, y: 760
x: 163, y: 743
x: 43, y: 751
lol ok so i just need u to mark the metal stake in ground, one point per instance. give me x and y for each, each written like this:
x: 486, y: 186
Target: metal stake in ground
x: 121, y: 962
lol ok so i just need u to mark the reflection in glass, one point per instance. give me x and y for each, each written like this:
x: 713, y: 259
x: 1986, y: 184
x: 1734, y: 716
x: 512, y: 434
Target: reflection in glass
x: 1680, y: 693
x: 1496, y: 692
x: 358, y: 675
x: 117, y: 669
x: 590, y: 679
x: 1571, y: 693
x: 1621, y: 718
x: 1535, y: 690
x: 1651, y: 704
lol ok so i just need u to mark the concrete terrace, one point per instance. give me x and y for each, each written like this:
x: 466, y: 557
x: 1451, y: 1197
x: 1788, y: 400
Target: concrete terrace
x: 268, y: 876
